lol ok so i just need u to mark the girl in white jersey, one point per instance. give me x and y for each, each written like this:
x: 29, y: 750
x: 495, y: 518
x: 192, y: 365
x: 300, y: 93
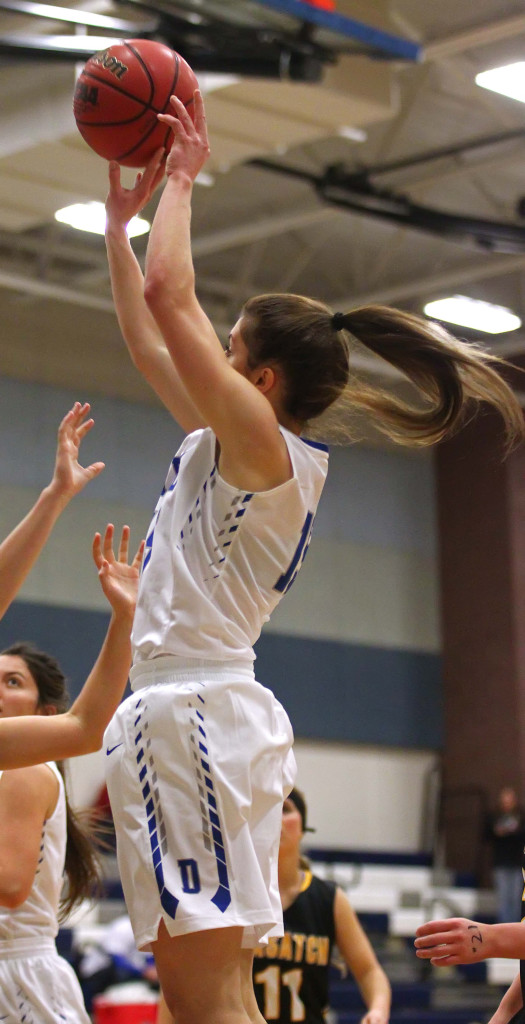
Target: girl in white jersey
x: 199, y: 757
x: 41, y: 838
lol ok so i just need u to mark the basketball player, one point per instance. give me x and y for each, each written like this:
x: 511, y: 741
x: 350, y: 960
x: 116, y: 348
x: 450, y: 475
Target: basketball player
x: 40, y: 836
x: 202, y: 753
x: 291, y: 974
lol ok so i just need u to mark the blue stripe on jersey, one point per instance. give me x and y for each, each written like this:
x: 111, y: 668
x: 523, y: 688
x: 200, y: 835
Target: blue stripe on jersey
x: 315, y: 444
x: 286, y: 579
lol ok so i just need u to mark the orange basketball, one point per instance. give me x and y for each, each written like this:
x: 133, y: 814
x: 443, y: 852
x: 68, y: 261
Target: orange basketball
x: 119, y: 94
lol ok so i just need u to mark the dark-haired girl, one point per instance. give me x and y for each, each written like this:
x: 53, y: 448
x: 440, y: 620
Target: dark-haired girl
x: 202, y: 751
x: 41, y: 838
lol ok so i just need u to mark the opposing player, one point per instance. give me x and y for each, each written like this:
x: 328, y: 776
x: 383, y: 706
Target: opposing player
x: 291, y: 974
x: 202, y: 753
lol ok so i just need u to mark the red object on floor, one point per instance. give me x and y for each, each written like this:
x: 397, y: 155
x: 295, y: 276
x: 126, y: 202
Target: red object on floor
x: 105, y: 1012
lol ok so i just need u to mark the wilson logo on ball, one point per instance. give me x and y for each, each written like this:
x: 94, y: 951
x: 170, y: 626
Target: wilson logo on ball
x: 108, y: 61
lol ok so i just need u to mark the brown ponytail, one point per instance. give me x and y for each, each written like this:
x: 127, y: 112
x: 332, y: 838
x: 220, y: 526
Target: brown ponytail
x: 82, y: 865
x: 451, y: 375
x: 315, y: 349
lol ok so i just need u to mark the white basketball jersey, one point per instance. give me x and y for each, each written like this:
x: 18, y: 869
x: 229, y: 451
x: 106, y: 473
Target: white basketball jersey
x: 218, y: 559
x: 37, y: 916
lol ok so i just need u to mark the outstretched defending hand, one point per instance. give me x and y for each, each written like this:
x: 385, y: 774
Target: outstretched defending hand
x: 124, y: 203
x: 118, y: 578
x: 190, y: 147
x: 69, y: 476
x: 453, y: 941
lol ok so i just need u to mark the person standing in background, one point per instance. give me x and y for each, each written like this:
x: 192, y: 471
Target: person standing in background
x: 506, y: 834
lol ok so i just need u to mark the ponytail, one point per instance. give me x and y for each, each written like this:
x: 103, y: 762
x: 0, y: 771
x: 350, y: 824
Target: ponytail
x: 452, y: 376
x: 82, y: 866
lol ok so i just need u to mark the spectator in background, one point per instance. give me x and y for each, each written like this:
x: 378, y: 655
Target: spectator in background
x: 506, y: 833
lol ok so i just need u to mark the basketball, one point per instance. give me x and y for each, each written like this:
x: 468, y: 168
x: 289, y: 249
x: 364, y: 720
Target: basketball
x: 119, y: 94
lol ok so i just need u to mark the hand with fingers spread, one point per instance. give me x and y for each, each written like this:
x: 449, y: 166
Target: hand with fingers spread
x: 21, y: 548
x: 119, y: 578
x: 124, y: 203
x: 190, y: 147
x: 453, y: 941
x: 69, y: 476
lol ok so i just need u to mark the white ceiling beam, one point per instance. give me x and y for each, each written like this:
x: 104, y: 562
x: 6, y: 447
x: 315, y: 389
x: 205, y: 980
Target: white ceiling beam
x: 255, y: 231
x: 427, y: 286
x: 49, y: 290
x: 459, y: 42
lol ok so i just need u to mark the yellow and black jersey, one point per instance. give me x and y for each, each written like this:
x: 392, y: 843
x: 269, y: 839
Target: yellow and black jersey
x: 519, y: 1017
x: 291, y: 973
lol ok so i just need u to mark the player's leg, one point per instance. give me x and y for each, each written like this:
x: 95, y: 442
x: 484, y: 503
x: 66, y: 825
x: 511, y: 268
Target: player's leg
x: 248, y: 994
x: 200, y: 975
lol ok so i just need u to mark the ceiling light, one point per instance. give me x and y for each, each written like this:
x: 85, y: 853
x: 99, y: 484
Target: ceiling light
x: 349, y: 131
x: 92, y: 217
x: 508, y: 80
x: 473, y: 313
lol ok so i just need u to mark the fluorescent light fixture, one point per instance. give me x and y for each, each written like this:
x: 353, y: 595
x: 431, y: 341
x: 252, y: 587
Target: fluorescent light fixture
x: 92, y: 217
x: 508, y: 80
x: 473, y: 313
x: 349, y: 131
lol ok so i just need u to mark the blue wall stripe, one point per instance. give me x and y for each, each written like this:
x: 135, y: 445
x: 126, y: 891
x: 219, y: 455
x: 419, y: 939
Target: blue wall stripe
x: 353, y: 693
x: 335, y: 691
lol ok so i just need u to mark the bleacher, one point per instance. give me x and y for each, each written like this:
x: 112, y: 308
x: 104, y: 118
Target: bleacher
x: 392, y: 896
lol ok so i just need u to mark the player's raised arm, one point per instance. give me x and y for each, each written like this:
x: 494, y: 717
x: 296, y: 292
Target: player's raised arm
x: 33, y: 739
x: 20, y: 550
x: 143, y: 338
x: 234, y: 404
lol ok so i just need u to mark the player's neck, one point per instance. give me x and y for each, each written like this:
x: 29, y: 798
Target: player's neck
x: 291, y: 877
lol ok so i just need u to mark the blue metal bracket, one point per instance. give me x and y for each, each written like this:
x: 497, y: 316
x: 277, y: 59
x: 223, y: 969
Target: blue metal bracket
x: 382, y: 43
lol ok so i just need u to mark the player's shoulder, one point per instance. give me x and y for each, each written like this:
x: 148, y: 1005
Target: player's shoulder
x: 319, y: 889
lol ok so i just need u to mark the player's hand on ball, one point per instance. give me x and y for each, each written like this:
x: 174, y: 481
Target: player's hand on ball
x: 124, y: 203
x: 190, y: 147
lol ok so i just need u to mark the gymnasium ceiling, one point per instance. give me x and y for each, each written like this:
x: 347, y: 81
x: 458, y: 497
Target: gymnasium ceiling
x: 422, y: 129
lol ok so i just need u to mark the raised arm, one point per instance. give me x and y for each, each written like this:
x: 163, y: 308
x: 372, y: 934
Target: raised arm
x: 33, y: 739
x: 233, y: 403
x: 143, y: 338
x: 20, y: 550
x: 356, y: 950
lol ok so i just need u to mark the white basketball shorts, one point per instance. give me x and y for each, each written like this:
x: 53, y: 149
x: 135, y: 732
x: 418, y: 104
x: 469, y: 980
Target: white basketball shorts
x: 199, y: 760
x: 38, y: 986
